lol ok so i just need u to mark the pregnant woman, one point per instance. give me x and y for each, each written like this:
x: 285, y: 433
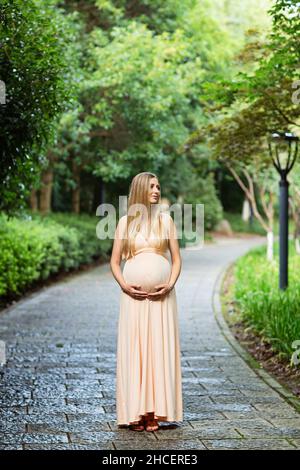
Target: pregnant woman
x: 148, y: 352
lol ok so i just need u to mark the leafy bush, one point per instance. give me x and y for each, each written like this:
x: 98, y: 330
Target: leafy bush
x: 273, y: 313
x: 85, y: 225
x: 203, y: 191
x: 35, y: 248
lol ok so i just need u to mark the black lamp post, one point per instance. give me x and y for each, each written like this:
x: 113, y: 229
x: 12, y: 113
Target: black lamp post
x: 283, y: 147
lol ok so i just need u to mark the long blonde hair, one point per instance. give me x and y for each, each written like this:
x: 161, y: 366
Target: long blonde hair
x: 151, y: 217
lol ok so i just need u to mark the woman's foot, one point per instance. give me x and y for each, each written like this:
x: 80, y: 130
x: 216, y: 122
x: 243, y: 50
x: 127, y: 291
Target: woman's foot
x: 137, y: 426
x: 150, y: 423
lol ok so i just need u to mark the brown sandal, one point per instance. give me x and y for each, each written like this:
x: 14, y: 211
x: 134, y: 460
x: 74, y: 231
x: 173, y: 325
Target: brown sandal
x: 137, y: 426
x: 151, y: 424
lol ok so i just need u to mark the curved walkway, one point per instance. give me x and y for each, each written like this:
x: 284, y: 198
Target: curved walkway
x: 58, y: 385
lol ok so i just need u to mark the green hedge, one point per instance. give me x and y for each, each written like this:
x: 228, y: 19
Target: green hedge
x: 273, y: 313
x: 34, y: 248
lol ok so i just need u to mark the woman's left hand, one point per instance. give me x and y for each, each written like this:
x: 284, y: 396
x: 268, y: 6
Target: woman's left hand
x: 161, y: 291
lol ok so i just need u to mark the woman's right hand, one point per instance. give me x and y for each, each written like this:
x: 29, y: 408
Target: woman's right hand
x: 134, y: 290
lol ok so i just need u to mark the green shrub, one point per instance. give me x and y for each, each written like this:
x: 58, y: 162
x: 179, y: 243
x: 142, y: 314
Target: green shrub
x: 203, y: 191
x: 273, y: 313
x: 35, y: 248
x: 85, y: 225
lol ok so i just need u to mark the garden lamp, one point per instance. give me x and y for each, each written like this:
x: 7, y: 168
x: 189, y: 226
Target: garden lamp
x: 283, y: 147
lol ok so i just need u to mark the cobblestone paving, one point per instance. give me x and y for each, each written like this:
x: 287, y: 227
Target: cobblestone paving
x: 58, y: 386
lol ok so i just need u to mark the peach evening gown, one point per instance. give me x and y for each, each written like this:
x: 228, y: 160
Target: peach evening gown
x: 148, y: 349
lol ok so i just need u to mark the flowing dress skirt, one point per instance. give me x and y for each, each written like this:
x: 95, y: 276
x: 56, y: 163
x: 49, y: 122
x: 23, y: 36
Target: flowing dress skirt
x: 148, y: 350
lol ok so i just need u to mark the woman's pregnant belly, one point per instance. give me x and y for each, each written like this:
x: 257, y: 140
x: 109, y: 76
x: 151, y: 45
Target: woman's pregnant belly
x: 147, y: 270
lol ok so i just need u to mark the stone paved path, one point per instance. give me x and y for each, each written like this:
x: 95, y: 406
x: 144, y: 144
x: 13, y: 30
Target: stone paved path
x: 58, y: 386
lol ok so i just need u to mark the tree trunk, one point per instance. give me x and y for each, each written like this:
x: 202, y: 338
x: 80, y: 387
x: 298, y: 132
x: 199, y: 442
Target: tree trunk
x: 33, y: 200
x: 46, y: 191
x: 98, y: 193
x: 270, y: 245
x: 76, y: 190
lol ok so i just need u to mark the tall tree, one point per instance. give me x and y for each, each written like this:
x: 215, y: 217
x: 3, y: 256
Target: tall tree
x: 37, y: 58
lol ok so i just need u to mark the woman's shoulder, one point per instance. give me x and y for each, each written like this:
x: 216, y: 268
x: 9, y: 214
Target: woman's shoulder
x: 165, y: 215
x: 166, y: 218
x: 167, y: 223
x: 123, y: 220
x: 170, y: 225
x: 121, y: 226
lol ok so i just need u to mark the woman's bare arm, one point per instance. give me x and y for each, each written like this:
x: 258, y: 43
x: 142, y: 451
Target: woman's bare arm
x: 175, y: 254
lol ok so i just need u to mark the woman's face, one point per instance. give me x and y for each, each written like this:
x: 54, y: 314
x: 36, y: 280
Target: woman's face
x: 154, y: 191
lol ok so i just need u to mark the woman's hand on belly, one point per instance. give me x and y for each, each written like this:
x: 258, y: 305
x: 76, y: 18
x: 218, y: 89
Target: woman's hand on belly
x: 134, y: 290
x: 161, y: 291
